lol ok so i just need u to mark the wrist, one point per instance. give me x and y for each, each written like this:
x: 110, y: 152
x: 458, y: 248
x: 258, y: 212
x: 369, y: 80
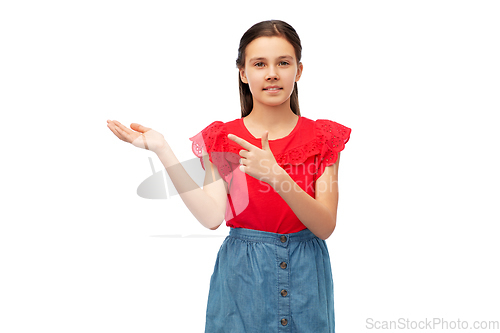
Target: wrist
x: 279, y: 176
x: 162, y: 148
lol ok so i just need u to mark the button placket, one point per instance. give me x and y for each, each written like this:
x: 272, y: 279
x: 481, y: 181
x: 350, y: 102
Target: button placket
x: 283, y: 290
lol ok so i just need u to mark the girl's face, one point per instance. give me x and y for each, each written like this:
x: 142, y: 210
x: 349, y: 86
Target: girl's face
x: 271, y: 70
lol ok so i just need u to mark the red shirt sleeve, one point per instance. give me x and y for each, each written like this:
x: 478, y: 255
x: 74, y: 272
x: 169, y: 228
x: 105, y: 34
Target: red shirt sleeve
x: 214, y: 140
x: 333, y: 137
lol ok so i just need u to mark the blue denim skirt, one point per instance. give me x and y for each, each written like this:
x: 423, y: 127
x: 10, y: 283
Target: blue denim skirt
x: 266, y: 282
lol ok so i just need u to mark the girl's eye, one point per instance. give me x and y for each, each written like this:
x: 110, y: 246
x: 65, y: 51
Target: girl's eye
x: 261, y: 64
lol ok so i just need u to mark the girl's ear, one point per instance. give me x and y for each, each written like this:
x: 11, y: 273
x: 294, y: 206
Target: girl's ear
x: 243, y: 76
x: 299, y: 72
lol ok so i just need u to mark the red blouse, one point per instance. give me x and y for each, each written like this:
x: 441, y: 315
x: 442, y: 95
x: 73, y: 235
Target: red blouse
x: 303, y: 154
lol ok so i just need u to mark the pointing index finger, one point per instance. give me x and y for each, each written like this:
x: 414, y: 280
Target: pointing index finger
x: 245, y: 144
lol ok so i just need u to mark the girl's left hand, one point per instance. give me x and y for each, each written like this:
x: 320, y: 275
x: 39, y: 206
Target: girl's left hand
x: 256, y: 162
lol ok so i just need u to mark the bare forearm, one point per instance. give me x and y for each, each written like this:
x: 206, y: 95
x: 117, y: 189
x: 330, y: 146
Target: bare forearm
x: 196, y: 199
x: 312, y: 213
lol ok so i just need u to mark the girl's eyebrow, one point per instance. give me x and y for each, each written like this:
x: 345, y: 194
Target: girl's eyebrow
x: 280, y: 57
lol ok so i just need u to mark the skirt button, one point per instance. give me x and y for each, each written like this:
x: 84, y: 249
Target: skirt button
x: 283, y: 239
x: 284, y: 293
x: 284, y: 321
x: 283, y: 265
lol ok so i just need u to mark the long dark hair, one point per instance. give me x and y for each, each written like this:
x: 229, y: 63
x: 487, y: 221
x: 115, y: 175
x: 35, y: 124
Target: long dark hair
x: 269, y: 28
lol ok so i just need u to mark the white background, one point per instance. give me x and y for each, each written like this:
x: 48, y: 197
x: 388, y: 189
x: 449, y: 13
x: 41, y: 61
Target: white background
x: 417, y: 235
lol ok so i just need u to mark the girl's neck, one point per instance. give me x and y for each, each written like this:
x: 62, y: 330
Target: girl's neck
x: 271, y: 118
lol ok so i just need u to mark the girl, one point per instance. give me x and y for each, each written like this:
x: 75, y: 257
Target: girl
x: 272, y: 175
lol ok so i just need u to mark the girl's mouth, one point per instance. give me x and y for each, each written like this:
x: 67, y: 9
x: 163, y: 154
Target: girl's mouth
x: 273, y: 91
x: 273, y: 87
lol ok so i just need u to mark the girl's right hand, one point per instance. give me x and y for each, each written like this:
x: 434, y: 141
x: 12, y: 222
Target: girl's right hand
x: 143, y: 137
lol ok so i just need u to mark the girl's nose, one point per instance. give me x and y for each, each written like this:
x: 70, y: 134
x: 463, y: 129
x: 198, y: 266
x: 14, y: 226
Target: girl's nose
x: 272, y: 74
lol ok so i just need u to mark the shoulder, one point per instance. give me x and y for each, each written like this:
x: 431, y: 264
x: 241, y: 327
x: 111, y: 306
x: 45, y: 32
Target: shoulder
x: 324, y: 129
x: 330, y: 126
x: 208, y: 138
x: 323, y: 124
x: 214, y: 129
x: 332, y: 130
x: 332, y: 138
x: 215, y: 126
x: 213, y: 138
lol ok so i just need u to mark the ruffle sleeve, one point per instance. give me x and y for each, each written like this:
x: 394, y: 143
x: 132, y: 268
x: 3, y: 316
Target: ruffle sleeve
x: 333, y: 137
x: 214, y: 140
x: 326, y: 141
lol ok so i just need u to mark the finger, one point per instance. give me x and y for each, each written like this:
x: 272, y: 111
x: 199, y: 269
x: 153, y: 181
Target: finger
x: 123, y: 135
x: 123, y: 128
x: 243, y: 153
x: 114, y: 129
x: 265, y: 141
x: 139, y: 128
x: 128, y: 134
x: 245, y: 144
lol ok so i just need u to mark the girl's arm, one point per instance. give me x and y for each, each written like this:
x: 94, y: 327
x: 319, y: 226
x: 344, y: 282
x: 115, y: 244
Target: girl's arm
x: 318, y: 214
x: 207, y: 204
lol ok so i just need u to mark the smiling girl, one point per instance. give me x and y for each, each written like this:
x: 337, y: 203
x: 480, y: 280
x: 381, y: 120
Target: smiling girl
x: 272, y: 175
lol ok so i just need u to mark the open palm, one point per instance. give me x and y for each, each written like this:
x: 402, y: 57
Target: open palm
x: 139, y: 136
